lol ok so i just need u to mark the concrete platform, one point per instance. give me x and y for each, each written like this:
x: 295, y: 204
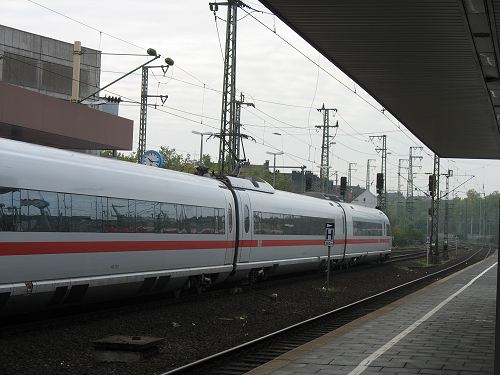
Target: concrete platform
x: 446, y: 328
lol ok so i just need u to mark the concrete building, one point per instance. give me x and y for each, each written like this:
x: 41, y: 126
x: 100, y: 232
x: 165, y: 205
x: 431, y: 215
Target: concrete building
x: 36, y: 79
x: 45, y: 65
x: 367, y: 199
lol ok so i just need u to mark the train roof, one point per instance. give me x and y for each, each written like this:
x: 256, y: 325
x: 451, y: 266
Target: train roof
x: 30, y: 166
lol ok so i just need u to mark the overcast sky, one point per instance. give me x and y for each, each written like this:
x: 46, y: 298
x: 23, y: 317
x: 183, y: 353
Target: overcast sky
x: 285, y: 86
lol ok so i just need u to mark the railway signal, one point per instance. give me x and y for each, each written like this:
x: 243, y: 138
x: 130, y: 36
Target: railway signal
x: 343, y: 186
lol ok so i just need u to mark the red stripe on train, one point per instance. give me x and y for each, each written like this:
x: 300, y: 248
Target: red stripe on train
x: 292, y: 242
x: 33, y: 248
x: 30, y: 248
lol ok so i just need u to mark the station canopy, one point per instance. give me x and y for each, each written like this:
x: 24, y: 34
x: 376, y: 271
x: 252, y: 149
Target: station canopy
x: 432, y: 63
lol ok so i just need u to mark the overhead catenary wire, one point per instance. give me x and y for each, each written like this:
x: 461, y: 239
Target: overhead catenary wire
x: 204, y: 85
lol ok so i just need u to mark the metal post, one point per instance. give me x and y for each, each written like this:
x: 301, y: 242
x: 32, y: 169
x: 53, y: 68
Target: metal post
x: 399, y: 201
x: 75, y: 86
x: 274, y: 163
x: 349, y: 182
x: 497, y: 326
x: 409, y: 186
x: 329, y: 241
x: 201, y: 149
x: 324, y: 174
x: 446, y: 214
x: 368, y: 167
x: 328, y: 269
x: 382, y: 197
x: 227, y: 153
x: 274, y: 171
x: 237, y: 139
x: 302, y: 169
x: 465, y: 229
x: 143, y: 114
x: 434, y: 240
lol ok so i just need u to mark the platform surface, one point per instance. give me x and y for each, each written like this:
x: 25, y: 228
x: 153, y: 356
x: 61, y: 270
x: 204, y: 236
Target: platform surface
x: 446, y: 328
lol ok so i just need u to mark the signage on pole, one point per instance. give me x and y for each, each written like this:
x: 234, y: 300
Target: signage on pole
x: 329, y: 241
x: 329, y: 234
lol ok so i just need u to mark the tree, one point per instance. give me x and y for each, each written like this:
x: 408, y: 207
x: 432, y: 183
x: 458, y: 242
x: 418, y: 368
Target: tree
x: 120, y: 156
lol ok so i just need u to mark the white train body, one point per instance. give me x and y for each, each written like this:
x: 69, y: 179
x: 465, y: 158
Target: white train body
x: 76, y: 228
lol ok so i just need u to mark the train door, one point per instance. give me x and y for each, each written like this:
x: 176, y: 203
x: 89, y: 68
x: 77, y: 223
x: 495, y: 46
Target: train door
x: 231, y: 232
x: 245, y: 223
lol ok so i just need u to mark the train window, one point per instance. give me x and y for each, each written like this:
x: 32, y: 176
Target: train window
x: 8, y: 210
x: 167, y: 219
x: 367, y: 228
x: 41, y: 211
x: 190, y: 219
x: 288, y: 225
x: 44, y: 211
x: 64, y: 207
x: 230, y: 218
x: 284, y: 224
x: 101, y: 211
x: 25, y: 206
x: 117, y: 219
x: 207, y: 221
x: 257, y: 222
x: 247, y: 219
x: 266, y: 223
x: 388, y: 230
x: 145, y: 216
x: 221, y: 221
x: 83, y: 213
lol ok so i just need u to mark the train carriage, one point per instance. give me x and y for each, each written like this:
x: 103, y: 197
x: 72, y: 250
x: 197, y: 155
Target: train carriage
x: 72, y: 222
x: 76, y: 228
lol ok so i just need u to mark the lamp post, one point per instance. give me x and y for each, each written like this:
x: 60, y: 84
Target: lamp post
x: 274, y: 164
x: 201, y: 143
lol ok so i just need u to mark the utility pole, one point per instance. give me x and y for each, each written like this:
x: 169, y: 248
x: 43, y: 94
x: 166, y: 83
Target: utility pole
x: 227, y: 152
x: 143, y: 114
x: 349, y: 181
x: 368, y: 167
x: 237, y: 139
x: 409, y: 186
x: 400, y: 167
x: 446, y: 214
x: 382, y: 197
x: 274, y: 164
x: 324, y: 174
x: 434, y: 192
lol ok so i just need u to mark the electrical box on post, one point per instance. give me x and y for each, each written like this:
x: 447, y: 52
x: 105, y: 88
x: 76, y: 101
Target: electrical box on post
x: 432, y: 180
x: 380, y: 183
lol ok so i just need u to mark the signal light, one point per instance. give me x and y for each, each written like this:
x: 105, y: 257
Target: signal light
x: 343, y: 185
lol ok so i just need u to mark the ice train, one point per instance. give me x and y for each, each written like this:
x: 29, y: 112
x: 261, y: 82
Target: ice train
x: 76, y: 228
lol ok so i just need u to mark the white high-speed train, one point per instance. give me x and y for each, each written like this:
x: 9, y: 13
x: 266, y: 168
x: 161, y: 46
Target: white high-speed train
x: 76, y: 228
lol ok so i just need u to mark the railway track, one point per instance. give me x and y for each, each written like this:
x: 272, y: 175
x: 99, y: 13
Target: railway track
x: 405, y: 255
x: 247, y: 356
